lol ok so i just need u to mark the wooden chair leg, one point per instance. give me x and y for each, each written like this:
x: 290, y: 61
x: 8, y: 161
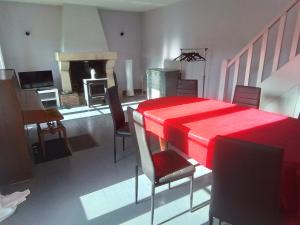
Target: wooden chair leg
x: 41, y: 139
x: 136, y: 183
x: 38, y: 128
x: 42, y: 142
x: 59, y: 134
x: 152, y: 203
x: 66, y: 139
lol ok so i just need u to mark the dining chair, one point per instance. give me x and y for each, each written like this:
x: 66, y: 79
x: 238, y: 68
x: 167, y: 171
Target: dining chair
x: 187, y: 88
x: 246, y: 183
x: 135, y: 145
x: 247, y: 96
x: 121, y: 128
x: 162, y: 167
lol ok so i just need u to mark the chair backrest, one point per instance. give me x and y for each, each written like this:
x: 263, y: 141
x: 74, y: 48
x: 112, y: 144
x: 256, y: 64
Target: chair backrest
x: 247, y: 96
x: 145, y: 154
x: 132, y: 132
x: 115, y: 107
x: 115, y: 79
x: 187, y: 88
x: 246, y: 182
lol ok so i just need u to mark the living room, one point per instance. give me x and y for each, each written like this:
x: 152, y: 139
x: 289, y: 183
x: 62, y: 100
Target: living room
x: 83, y: 49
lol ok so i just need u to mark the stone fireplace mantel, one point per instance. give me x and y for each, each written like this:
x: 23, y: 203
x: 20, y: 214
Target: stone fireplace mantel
x: 64, y: 59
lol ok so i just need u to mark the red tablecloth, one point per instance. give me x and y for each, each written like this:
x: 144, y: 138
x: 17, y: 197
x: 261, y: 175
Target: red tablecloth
x: 191, y: 124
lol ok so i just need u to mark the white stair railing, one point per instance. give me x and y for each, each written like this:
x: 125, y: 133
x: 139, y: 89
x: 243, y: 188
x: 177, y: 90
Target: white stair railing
x: 263, y: 35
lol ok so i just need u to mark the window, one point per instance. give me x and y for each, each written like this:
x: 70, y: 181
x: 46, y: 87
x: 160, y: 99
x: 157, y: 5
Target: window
x: 1, y: 59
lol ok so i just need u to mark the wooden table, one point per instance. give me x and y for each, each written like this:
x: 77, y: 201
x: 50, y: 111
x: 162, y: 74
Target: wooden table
x: 33, y: 110
x: 191, y: 125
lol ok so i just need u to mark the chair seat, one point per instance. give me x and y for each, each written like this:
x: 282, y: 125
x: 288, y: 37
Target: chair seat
x: 170, y: 166
x: 124, y: 130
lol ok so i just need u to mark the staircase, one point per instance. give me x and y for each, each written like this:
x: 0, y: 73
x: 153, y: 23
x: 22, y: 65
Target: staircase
x: 271, y: 60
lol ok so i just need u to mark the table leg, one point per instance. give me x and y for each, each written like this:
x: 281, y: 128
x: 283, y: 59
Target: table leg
x: 66, y: 139
x: 163, y: 144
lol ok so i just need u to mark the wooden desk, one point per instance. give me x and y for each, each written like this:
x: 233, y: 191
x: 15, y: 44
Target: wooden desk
x: 33, y: 110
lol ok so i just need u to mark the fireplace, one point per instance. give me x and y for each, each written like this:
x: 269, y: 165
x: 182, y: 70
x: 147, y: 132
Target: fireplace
x: 64, y: 59
x: 80, y: 70
x: 76, y: 67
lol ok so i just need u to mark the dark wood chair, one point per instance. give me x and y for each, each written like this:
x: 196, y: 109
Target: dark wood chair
x: 52, y: 118
x: 247, y: 96
x: 121, y: 128
x: 162, y: 167
x: 246, y: 183
x: 187, y: 88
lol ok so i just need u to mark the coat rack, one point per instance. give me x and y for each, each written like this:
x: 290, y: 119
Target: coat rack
x: 194, y: 55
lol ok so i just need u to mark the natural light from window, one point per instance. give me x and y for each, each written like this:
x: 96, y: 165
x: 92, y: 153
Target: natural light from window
x: 115, y: 198
x: 2, y: 66
x: 85, y: 111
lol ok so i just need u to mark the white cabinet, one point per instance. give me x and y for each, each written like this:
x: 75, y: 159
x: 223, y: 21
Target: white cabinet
x: 162, y: 82
x: 49, y: 97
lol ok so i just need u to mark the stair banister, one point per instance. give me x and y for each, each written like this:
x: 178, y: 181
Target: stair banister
x: 249, y: 48
x: 295, y: 37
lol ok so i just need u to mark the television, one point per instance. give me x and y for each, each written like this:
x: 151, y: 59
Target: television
x: 36, y: 79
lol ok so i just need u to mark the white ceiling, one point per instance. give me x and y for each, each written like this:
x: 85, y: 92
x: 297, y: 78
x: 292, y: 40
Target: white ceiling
x: 124, y: 5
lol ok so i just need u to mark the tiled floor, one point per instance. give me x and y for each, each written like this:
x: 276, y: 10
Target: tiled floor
x: 88, y: 188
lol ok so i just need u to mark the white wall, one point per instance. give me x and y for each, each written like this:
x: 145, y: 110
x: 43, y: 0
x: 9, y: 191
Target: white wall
x: 281, y: 91
x: 2, y: 65
x: 34, y: 52
x: 222, y: 26
x: 82, y: 29
x: 128, y: 46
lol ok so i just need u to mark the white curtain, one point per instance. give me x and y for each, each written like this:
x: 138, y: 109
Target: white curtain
x: 2, y: 66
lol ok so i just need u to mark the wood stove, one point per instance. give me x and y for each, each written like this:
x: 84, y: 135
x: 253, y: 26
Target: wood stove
x: 94, y: 91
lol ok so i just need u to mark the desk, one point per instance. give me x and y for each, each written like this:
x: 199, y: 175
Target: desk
x: 191, y: 125
x: 33, y: 110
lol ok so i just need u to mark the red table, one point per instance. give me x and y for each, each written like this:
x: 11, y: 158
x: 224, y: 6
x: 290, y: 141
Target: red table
x: 191, y: 125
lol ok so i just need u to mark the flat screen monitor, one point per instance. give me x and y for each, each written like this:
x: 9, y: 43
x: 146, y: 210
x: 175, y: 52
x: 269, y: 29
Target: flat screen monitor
x: 36, y: 79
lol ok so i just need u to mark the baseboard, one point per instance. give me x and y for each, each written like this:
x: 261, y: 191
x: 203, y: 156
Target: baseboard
x: 136, y: 92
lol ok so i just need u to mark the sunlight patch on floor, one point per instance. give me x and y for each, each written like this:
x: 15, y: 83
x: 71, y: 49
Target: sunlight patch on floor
x: 85, y: 111
x: 120, y: 195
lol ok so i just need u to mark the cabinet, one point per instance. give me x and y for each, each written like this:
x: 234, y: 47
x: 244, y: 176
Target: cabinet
x: 161, y: 82
x: 49, y: 98
x: 15, y: 163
